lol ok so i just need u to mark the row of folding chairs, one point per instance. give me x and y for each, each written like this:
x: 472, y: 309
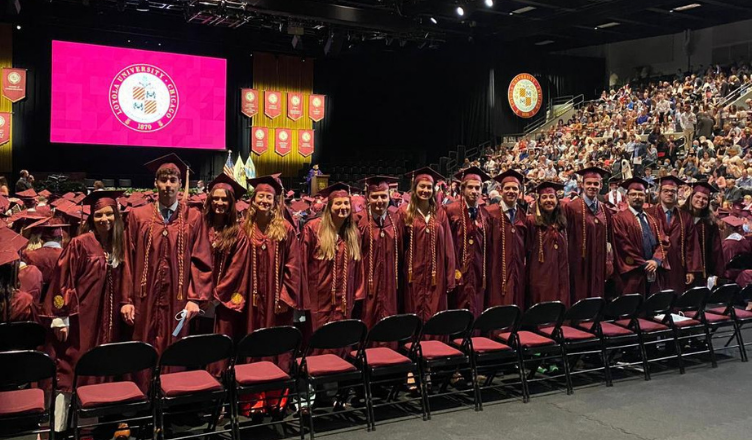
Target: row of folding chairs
x: 272, y: 366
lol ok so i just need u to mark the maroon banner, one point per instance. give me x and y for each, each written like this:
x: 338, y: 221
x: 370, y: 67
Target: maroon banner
x: 259, y: 139
x: 305, y: 142
x: 249, y: 102
x: 14, y: 84
x: 272, y: 104
x: 283, y: 141
x: 316, y: 107
x: 294, y: 105
x: 4, y: 128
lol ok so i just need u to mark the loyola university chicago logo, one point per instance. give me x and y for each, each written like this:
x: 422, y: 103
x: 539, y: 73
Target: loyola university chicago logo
x: 144, y: 98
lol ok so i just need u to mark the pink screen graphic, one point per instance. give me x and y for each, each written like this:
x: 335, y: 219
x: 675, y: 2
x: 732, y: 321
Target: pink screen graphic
x: 114, y: 96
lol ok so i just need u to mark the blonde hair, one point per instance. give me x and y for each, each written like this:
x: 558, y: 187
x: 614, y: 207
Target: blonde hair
x: 412, y: 207
x: 327, y: 236
x: 276, y: 229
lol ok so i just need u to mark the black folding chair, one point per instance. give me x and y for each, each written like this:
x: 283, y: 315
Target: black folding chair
x: 23, y: 409
x: 692, y: 322
x: 487, y: 354
x: 121, y: 397
x: 720, y: 314
x: 194, y: 385
x: 23, y: 335
x: 318, y: 369
x: 651, y: 332
x: 615, y: 337
x: 384, y: 365
x: 578, y: 343
x: 537, y: 347
x: 439, y: 360
x: 261, y: 375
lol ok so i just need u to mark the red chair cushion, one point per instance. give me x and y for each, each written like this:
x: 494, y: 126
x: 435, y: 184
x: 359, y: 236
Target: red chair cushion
x: 382, y: 356
x: 687, y: 323
x: 325, y: 364
x: 92, y: 396
x: 609, y: 329
x: 570, y: 333
x: 529, y: 339
x: 29, y: 401
x: 645, y: 325
x: 188, y: 382
x: 712, y: 315
x: 484, y: 345
x: 436, y: 349
x: 259, y: 372
x: 740, y: 313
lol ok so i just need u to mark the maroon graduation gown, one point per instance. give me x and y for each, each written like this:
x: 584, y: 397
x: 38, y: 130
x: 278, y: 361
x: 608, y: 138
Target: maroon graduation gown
x: 548, y: 280
x: 238, y: 314
x: 628, y: 252
x: 731, y: 248
x: 159, y: 300
x: 422, y: 293
x: 43, y: 258
x: 684, y: 255
x: 31, y: 279
x: 588, y: 273
x: 87, y: 291
x: 380, y: 249
x: 22, y: 307
x: 471, y: 250
x: 511, y: 239
x: 319, y: 274
x: 711, y: 251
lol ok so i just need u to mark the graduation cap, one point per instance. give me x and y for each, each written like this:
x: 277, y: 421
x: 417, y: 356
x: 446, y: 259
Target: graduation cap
x: 615, y: 179
x: 28, y: 194
x: 100, y: 199
x: 45, y: 193
x: 79, y: 197
x: 46, y: 228
x: 10, y: 244
x: 227, y: 183
x: 593, y: 172
x: 510, y: 175
x: 269, y: 184
x: 73, y: 212
x: 704, y: 187
x: 635, y: 183
x: 338, y: 189
x: 168, y: 162
x: 425, y: 173
x: 241, y: 205
x: 378, y: 183
x: 472, y: 173
x: 68, y: 196
x: 670, y: 181
x: 733, y: 221
x: 549, y: 186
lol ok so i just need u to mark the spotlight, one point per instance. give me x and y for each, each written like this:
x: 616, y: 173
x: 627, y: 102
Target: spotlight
x: 460, y: 11
x: 18, y: 27
x: 433, y: 20
x: 143, y: 6
x: 489, y: 3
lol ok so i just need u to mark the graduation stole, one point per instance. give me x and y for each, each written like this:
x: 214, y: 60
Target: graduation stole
x: 254, y: 274
x: 465, y: 260
x: 504, y: 252
x: 110, y: 298
x: 431, y: 229
x: 371, y: 284
x: 702, y: 243
x: 584, y: 233
x: 657, y: 233
x: 181, y: 248
x: 344, y: 279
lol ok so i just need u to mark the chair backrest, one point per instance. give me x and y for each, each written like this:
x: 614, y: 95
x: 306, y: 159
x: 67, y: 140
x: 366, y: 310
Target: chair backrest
x: 724, y: 294
x: 745, y: 294
x: 588, y: 309
x: 625, y: 306
x: 338, y: 334
x: 397, y: 328
x: 498, y: 318
x: 117, y: 359
x: 692, y: 299
x: 447, y: 323
x: 543, y: 314
x: 658, y: 303
x: 197, y: 351
x: 26, y: 335
x: 268, y: 342
x: 25, y: 366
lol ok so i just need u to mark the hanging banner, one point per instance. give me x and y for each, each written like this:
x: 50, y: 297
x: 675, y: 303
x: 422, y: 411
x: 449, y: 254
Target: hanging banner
x: 294, y: 105
x: 259, y: 139
x: 14, y: 84
x: 4, y: 128
x: 305, y: 142
x: 249, y: 102
x: 316, y: 107
x: 525, y: 95
x: 283, y: 141
x: 272, y: 104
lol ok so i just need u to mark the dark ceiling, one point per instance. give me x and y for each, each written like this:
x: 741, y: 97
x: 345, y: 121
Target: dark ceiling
x: 551, y: 25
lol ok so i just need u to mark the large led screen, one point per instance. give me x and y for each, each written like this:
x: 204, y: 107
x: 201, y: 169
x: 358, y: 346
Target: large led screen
x: 115, y: 96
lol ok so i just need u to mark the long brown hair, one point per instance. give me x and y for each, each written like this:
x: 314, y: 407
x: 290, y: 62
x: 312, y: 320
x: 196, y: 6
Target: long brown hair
x: 706, y: 215
x: 555, y: 218
x: 412, y: 207
x: 327, y: 236
x: 276, y: 229
x: 118, y: 235
x: 227, y: 236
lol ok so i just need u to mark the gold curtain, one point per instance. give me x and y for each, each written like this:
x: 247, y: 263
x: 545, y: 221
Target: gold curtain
x: 6, y: 60
x: 283, y: 74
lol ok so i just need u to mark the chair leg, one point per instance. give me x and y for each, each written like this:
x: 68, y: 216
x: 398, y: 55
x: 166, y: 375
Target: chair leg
x: 424, y: 392
x: 370, y: 421
x: 567, y: 373
x: 309, y: 407
x: 76, y: 433
x: 711, y: 350
x: 476, y: 388
x: 234, y: 412
x: 606, y: 365
x: 740, y: 341
x: 644, y: 355
x: 679, y: 358
x: 523, y: 377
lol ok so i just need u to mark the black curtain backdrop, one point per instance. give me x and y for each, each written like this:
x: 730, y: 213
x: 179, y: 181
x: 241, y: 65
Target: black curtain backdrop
x: 425, y: 101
